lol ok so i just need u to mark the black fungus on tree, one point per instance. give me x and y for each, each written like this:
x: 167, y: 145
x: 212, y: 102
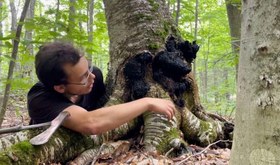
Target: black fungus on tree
x: 134, y: 72
x: 171, y: 66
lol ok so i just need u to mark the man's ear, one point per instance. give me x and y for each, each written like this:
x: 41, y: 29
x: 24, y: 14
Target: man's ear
x: 59, y: 88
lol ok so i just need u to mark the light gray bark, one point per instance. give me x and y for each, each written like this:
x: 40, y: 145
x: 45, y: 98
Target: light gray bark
x: 234, y: 18
x: 72, y: 14
x: 13, y: 16
x: 62, y: 147
x: 205, y: 73
x: 13, y: 12
x: 90, y: 9
x: 27, y: 68
x: 29, y: 33
x: 57, y: 15
x: 178, y: 12
x: 256, y: 135
x: 1, y: 35
x: 226, y: 80
x: 195, y: 32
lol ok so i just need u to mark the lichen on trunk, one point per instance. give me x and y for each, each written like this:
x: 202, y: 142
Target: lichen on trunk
x: 63, y: 146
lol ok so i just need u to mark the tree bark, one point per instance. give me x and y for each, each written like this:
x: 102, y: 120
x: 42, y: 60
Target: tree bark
x: 27, y: 67
x: 13, y: 16
x: 256, y: 136
x: 72, y: 20
x: 62, y: 147
x: 178, y: 12
x: 13, y: 12
x: 134, y: 27
x: 90, y: 9
x: 1, y: 35
x: 57, y: 16
x: 234, y: 18
x: 195, y: 32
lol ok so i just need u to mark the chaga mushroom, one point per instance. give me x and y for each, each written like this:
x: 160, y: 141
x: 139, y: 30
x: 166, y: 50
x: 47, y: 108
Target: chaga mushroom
x: 172, y: 65
x: 134, y: 72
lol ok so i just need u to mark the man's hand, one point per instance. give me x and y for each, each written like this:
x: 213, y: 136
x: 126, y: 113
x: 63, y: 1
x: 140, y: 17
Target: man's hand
x: 162, y: 106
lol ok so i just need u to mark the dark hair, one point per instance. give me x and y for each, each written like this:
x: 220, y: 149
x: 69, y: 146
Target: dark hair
x: 51, y: 58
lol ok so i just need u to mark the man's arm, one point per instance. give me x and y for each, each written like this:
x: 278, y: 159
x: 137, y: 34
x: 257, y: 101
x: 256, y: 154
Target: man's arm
x: 107, y: 118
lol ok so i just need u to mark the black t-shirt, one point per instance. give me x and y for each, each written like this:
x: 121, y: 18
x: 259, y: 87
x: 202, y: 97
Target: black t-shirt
x: 45, y: 104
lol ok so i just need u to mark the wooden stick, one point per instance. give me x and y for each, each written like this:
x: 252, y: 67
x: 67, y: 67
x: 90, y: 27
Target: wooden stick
x: 22, y: 127
x: 201, y: 151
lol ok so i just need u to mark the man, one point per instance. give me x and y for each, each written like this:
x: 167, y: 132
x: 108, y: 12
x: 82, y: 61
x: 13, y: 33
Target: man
x: 67, y: 84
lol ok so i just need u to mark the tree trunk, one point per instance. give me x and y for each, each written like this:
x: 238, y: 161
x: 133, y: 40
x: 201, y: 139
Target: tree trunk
x: 195, y: 32
x: 29, y: 33
x: 90, y: 8
x: 57, y: 16
x: 62, y: 147
x: 215, y: 73
x: 225, y: 77
x: 178, y: 12
x: 13, y: 16
x: 256, y: 137
x: 205, y: 74
x: 72, y: 14
x: 27, y: 67
x: 12, y: 62
x: 136, y: 26
x: 1, y: 35
x: 13, y: 12
x: 234, y: 18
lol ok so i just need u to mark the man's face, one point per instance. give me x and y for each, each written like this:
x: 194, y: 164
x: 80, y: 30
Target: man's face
x: 80, y: 80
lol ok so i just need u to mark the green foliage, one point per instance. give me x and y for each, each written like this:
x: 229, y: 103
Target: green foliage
x: 48, y: 25
x: 215, y: 52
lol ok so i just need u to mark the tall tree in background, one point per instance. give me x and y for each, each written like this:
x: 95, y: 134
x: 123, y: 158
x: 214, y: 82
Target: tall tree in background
x: 90, y: 8
x: 178, y: 12
x: 195, y: 32
x: 13, y: 12
x: 72, y: 15
x: 234, y: 18
x: 27, y: 67
x: 12, y: 62
x: 1, y: 34
x: 13, y: 16
x: 28, y: 33
x: 257, y: 135
x: 57, y: 16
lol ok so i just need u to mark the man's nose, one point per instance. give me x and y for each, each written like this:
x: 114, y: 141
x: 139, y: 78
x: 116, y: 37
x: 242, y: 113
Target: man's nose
x: 92, y: 75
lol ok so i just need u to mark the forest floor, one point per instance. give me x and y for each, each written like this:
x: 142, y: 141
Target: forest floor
x: 17, y: 114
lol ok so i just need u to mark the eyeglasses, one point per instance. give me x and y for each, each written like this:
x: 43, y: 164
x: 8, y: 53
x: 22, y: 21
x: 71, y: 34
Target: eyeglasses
x: 84, y: 82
